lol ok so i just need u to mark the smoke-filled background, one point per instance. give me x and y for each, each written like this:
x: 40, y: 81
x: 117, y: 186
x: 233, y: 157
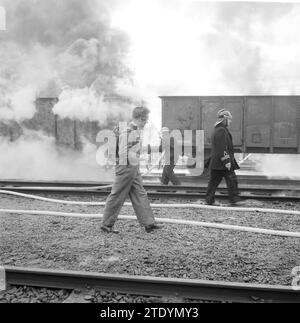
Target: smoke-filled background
x: 66, y: 49
x: 86, y: 51
x: 214, y: 48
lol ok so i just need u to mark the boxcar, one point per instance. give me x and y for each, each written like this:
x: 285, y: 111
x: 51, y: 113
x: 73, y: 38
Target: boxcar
x: 261, y: 124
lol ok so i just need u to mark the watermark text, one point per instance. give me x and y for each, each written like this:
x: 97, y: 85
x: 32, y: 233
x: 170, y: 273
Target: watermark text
x: 125, y: 146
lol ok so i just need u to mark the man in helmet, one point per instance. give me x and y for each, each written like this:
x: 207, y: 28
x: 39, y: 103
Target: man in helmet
x: 222, y: 162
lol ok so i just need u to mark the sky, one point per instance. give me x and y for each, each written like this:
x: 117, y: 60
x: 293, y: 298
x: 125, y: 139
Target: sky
x: 211, y: 48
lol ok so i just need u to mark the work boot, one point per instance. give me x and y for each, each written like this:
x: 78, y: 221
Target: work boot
x: 108, y: 229
x: 149, y: 228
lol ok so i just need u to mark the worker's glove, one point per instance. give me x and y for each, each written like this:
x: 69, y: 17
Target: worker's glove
x: 228, y: 166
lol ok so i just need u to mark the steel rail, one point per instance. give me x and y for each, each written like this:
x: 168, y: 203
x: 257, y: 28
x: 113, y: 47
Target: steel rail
x: 195, y: 180
x: 287, y: 190
x: 187, y: 192
x: 221, y: 195
x: 147, y: 186
x: 151, y: 286
x: 251, y: 185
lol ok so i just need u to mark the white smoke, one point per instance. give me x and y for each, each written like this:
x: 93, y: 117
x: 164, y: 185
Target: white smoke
x: 64, y: 49
x: 18, y: 105
x: 36, y: 157
x: 22, y: 73
x: 85, y: 104
x: 213, y: 48
x: 279, y: 166
x: 53, y: 45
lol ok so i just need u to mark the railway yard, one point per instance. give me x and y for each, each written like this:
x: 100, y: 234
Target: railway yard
x: 187, y: 94
x: 205, y: 247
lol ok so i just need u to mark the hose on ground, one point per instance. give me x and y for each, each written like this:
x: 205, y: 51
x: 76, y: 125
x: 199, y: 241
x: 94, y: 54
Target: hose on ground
x: 163, y: 220
x: 191, y: 206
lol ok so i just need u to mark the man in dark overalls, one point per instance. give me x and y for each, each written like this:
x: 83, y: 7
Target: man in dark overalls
x: 169, y: 146
x: 128, y: 179
x: 222, y: 162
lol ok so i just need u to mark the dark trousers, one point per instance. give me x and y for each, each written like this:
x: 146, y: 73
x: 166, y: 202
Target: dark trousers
x: 215, y: 179
x: 169, y: 175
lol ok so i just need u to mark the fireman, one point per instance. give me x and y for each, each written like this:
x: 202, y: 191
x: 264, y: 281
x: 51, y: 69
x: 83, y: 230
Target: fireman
x: 222, y: 162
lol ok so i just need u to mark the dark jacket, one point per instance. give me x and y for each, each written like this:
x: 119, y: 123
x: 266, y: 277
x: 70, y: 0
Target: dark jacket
x: 222, y: 149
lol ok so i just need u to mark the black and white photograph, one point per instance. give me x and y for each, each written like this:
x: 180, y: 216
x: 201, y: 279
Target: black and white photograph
x: 149, y: 155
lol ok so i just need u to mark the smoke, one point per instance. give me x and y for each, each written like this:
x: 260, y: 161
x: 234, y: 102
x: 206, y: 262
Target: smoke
x: 214, y: 48
x: 18, y: 104
x: 55, y: 23
x: 57, y: 46
x: 279, y: 166
x: 244, y: 40
x: 85, y: 104
x: 66, y: 49
x: 21, y: 74
x: 39, y: 158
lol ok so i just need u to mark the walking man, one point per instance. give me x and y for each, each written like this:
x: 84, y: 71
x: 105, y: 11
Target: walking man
x: 128, y: 180
x: 170, y: 147
x: 222, y: 161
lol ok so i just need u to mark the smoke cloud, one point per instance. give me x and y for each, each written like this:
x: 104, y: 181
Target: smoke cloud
x: 39, y: 158
x: 244, y: 40
x: 214, y: 48
x: 279, y: 166
x: 66, y: 49
x: 56, y: 46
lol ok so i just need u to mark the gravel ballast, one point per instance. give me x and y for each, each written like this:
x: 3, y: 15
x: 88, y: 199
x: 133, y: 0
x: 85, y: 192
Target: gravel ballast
x: 33, y: 295
x: 24, y: 294
x: 181, y: 251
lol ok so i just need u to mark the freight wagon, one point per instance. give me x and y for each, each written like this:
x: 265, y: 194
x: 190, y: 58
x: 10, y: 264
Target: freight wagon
x: 261, y: 124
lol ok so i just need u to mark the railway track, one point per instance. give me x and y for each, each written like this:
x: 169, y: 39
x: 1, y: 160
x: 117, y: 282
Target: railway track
x: 243, y: 179
x: 250, y: 188
x: 150, y: 179
x: 151, y: 286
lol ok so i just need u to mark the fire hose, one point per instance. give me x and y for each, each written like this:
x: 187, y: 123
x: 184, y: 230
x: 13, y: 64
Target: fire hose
x: 163, y: 220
